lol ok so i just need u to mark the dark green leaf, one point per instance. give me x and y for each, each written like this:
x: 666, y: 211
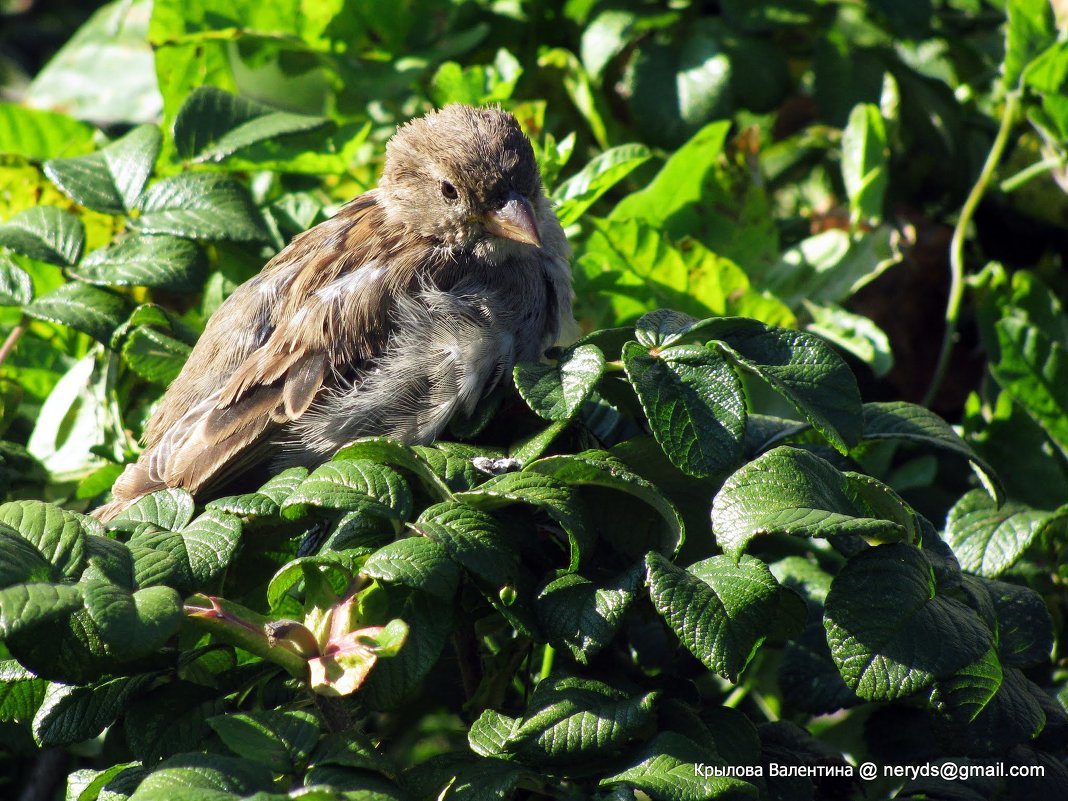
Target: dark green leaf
x: 988, y: 540
x: 350, y: 484
x: 1025, y: 629
x: 794, y: 492
x: 804, y: 370
x: 200, y: 205
x: 16, y: 286
x: 267, y: 500
x: 418, y: 562
x: 85, y: 308
x: 110, y: 180
x: 279, y: 740
x: 556, y: 392
x: 719, y: 609
x: 45, y: 233
x: 907, y: 422
x: 557, y: 500
x: 1034, y: 369
x: 584, y: 617
x: 74, y: 714
x: 601, y: 469
x: 694, y: 403
x: 890, y: 634
x: 59, y: 535
x: 213, y: 124
x: 133, y: 625
x: 155, y: 356
x: 671, y: 767
x: 163, y: 262
x: 474, y: 540
x: 397, y: 454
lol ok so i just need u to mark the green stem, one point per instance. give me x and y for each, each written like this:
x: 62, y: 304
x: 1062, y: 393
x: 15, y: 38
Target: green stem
x: 1014, y: 182
x: 547, y: 657
x: 956, y: 248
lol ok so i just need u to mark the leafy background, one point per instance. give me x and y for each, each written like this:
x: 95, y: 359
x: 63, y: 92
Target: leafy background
x: 878, y: 188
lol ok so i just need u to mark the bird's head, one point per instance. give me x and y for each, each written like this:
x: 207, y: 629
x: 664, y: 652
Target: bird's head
x: 467, y: 178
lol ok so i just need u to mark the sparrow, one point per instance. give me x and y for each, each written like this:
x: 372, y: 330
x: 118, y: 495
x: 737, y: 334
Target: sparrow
x: 404, y: 309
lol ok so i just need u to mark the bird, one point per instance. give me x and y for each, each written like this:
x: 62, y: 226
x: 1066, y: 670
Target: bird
x: 406, y: 308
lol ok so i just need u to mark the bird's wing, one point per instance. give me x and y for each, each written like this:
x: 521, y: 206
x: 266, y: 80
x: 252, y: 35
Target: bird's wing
x: 321, y: 305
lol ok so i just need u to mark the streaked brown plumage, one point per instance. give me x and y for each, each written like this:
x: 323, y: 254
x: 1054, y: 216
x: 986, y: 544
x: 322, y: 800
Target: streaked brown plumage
x: 405, y: 308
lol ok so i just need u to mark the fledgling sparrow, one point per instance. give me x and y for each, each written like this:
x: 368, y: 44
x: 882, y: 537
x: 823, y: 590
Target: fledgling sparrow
x: 404, y: 309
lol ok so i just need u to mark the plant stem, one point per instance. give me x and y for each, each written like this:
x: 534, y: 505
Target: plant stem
x: 956, y: 247
x: 1028, y: 173
x: 13, y: 338
x: 547, y: 657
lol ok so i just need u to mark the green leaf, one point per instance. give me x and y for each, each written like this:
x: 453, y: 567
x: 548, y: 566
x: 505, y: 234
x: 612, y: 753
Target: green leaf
x: 69, y: 425
x: 555, y: 392
x: 854, y: 334
x: 267, y: 500
x: 986, y: 539
x: 350, y: 484
x: 694, y: 402
x: 604, y: 38
x: 280, y: 740
x: 671, y: 767
x: 1034, y: 369
x: 583, y: 617
x: 213, y: 124
x: 908, y: 422
x: 601, y: 469
x: 58, y: 534
x: 577, y: 720
x: 201, y: 550
x: 155, y: 356
x: 865, y: 162
x: 161, y: 262
x: 85, y: 308
x: 891, y: 633
x: 16, y: 286
x: 1025, y: 628
x: 21, y: 561
x: 75, y: 714
x: 133, y: 624
x: 37, y: 134
x: 968, y: 691
x: 45, y: 233
x: 803, y: 369
x: 200, y: 205
x: 1031, y: 30
x: 394, y: 679
x: 474, y: 540
x: 557, y: 500
x: 417, y: 562
x: 829, y: 267
x: 680, y: 181
x: 575, y: 195
x: 112, y: 179
x: 104, y: 72
x: 794, y: 492
x: 170, y: 509
x: 205, y: 777
x: 719, y: 609
x: 396, y: 454
x: 24, y: 606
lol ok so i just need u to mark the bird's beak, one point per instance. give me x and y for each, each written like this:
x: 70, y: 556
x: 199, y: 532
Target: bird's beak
x: 514, y: 220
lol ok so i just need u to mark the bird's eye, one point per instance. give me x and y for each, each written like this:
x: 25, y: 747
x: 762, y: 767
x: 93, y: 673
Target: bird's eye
x: 448, y: 191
